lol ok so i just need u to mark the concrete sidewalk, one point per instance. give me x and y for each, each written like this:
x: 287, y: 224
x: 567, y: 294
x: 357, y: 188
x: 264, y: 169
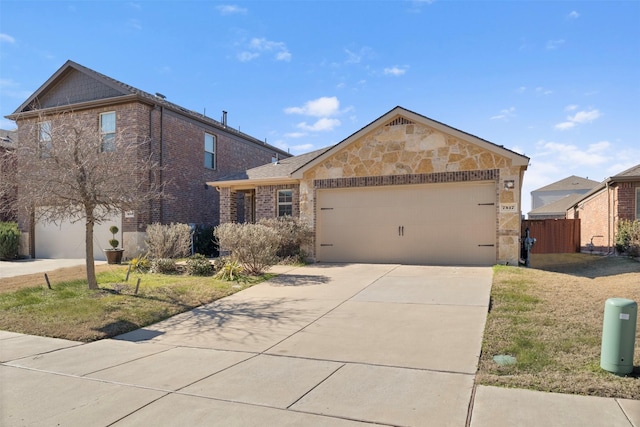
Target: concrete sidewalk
x: 319, y: 345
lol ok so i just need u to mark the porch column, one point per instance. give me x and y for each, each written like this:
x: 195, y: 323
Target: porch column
x: 228, y: 205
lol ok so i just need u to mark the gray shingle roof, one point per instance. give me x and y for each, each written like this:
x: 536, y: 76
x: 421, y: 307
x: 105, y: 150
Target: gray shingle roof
x: 570, y: 183
x: 282, y: 169
x: 633, y: 172
x: 559, y: 207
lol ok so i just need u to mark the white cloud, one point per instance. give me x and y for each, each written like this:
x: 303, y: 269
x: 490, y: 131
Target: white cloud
x: 543, y: 91
x: 573, y: 15
x: 395, y: 71
x: 321, y: 107
x: 585, y: 116
x: 505, y: 114
x: 577, y: 157
x: 228, y: 9
x: 571, y: 107
x: 6, y: 38
x: 247, y: 56
x: 322, y: 125
x: 134, y: 24
x: 579, y: 118
x: 521, y: 89
x: 259, y: 45
x: 555, y: 44
x: 302, y: 148
x: 364, y: 52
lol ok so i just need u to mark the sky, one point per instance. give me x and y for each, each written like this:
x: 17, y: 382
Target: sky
x: 557, y: 81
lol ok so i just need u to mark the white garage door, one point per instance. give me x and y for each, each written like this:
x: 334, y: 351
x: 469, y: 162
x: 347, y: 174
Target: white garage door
x: 438, y: 224
x: 67, y: 239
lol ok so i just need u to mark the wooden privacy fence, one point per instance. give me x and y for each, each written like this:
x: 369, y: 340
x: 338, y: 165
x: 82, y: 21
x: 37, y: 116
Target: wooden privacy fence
x: 553, y: 236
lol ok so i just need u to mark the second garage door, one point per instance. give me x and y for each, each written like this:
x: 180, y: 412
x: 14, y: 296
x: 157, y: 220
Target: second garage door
x: 438, y: 224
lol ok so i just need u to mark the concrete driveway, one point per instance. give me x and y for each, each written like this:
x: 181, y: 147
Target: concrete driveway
x: 320, y: 345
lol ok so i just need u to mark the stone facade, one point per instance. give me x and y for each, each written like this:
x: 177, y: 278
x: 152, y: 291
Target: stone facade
x: 411, y: 153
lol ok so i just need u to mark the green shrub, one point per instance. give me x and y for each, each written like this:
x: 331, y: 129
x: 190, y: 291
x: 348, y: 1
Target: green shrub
x: 168, y: 241
x: 628, y: 237
x: 253, y: 246
x: 199, y: 265
x: 164, y: 266
x: 9, y: 240
x: 294, y: 234
x: 227, y: 269
x: 140, y: 264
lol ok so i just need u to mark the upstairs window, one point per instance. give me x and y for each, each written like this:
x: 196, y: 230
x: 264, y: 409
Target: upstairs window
x: 285, y: 202
x: 44, y: 139
x: 209, y: 151
x: 108, y: 132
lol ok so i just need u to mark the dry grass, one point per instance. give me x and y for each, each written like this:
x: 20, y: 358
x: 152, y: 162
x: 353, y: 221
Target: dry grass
x: 550, y: 318
x: 11, y: 284
x: 71, y: 311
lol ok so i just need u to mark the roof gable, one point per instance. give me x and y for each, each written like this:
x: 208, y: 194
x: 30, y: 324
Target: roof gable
x: 402, y: 116
x: 73, y: 84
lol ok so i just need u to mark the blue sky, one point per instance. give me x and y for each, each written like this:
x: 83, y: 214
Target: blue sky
x: 558, y: 81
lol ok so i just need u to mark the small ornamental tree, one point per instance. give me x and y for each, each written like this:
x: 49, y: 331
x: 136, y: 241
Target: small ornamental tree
x: 68, y: 169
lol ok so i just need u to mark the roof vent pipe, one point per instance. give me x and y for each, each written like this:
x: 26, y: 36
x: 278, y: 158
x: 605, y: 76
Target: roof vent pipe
x: 224, y: 118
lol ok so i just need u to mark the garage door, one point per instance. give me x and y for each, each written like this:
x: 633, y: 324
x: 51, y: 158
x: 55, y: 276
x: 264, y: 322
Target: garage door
x: 439, y: 224
x: 66, y: 239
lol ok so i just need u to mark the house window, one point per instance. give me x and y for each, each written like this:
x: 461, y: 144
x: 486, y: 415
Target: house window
x: 44, y: 139
x: 108, y: 131
x: 209, y: 151
x: 285, y: 205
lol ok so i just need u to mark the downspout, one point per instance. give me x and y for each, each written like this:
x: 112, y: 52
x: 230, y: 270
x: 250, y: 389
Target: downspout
x: 609, y: 225
x: 161, y: 162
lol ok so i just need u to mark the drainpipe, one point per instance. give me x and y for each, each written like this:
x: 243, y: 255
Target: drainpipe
x: 609, y: 237
x: 161, y: 161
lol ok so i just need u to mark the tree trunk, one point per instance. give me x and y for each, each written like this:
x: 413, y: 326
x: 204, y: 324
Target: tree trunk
x: 91, y: 268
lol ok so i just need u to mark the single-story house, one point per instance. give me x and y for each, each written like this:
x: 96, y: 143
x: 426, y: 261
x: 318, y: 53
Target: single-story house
x: 553, y: 200
x: 403, y: 189
x: 601, y: 209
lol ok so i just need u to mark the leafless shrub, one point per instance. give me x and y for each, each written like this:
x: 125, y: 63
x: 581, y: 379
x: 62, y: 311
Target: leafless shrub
x: 168, y: 241
x: 294, y: 235
x: 254, y: 246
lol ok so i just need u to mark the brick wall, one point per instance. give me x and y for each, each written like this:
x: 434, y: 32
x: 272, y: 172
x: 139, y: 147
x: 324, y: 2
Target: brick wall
x: 594, y: 220
x: 189, y: 199
x: 267, y: 200
x: 627, y: 193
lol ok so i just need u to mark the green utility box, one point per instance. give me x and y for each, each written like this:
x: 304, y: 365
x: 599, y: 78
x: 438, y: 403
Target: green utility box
x: 618, y: 335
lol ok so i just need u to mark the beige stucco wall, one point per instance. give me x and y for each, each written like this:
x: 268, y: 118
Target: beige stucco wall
x: 417, y: 149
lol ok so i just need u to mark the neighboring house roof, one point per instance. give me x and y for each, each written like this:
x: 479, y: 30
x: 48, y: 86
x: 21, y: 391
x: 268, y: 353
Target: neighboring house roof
x: 631, y: 174
x: 293, y: 168
x: 569, y: 184
x: 118, y: 92
x: 559, y: 207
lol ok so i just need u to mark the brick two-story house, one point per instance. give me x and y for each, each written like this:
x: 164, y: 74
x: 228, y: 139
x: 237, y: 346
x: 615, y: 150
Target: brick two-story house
x: 192, y: 149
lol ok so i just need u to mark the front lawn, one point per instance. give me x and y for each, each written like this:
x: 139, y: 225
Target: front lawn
x: 71, y: 311
x: 549, y: 317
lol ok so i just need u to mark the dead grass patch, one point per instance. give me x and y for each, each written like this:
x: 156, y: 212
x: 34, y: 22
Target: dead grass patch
x: 71, y: 311
x: 550, y: 318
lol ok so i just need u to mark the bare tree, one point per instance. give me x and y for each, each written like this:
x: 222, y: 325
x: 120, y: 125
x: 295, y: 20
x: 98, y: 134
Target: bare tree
x: 68, y: 168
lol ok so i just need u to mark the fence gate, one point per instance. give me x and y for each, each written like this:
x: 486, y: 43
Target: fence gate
x: 553, y: 236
